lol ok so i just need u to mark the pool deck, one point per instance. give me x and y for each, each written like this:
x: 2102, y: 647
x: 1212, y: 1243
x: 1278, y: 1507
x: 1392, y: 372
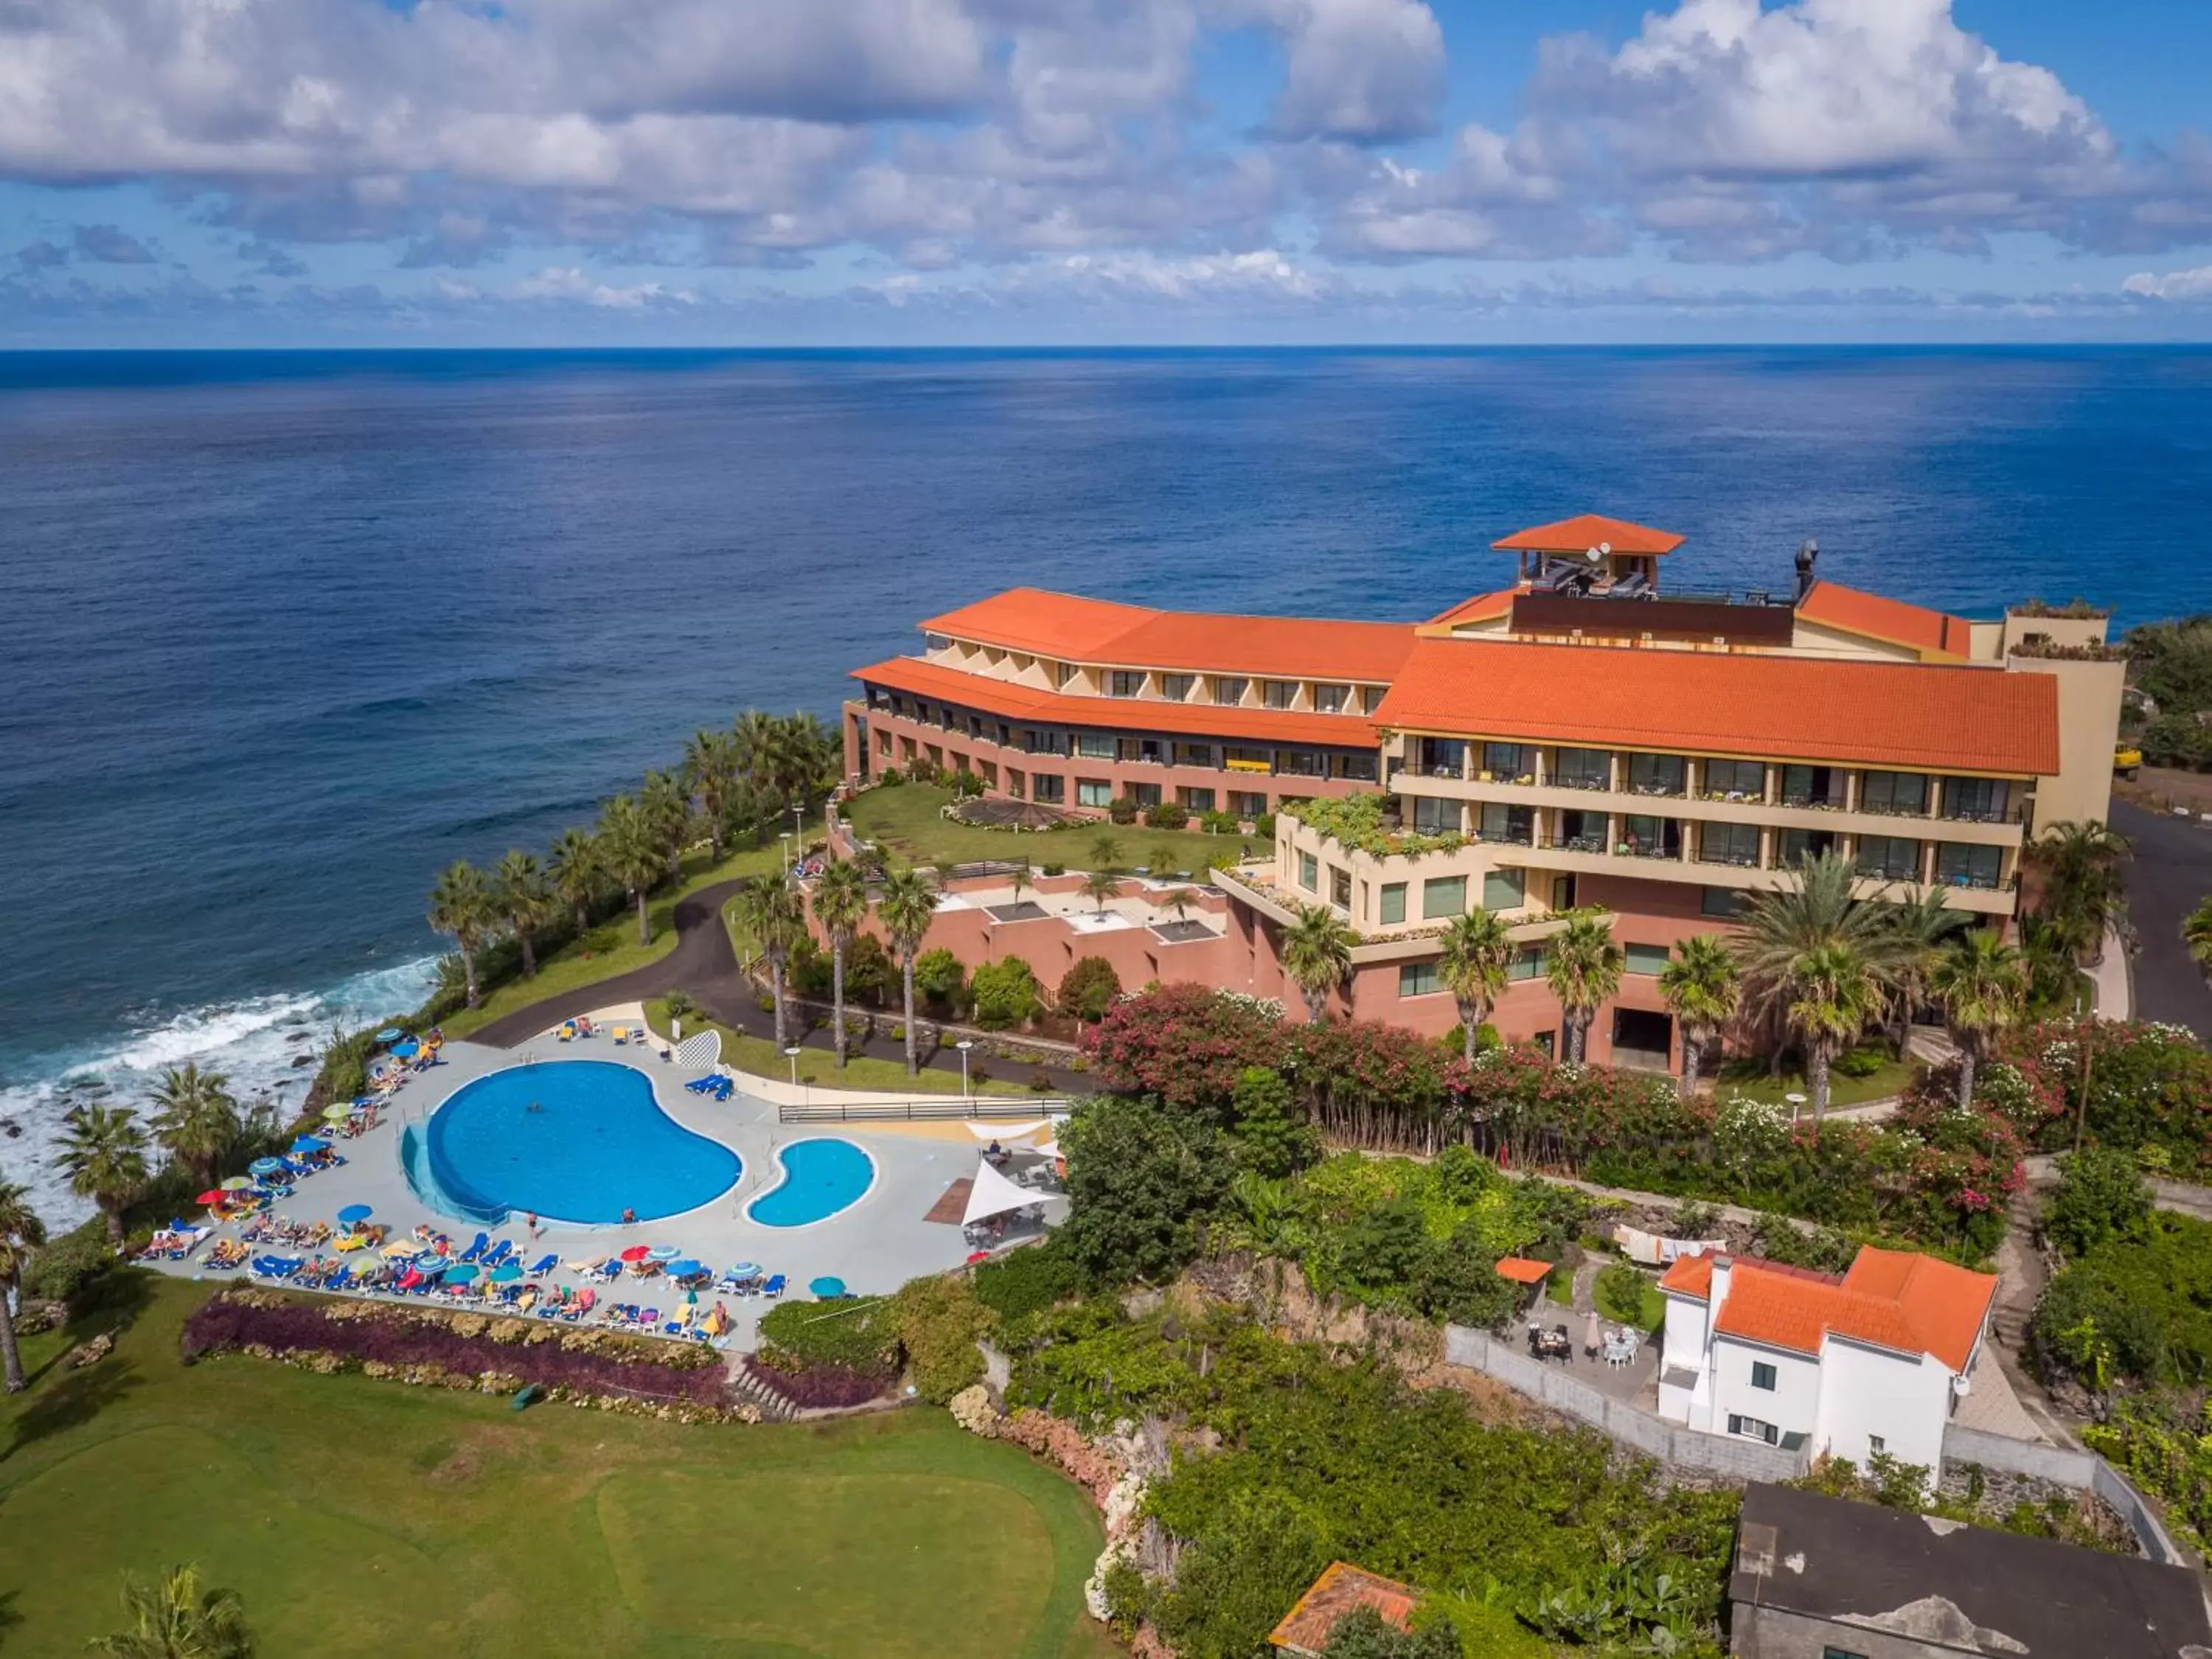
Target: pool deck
x: 876, y: 1245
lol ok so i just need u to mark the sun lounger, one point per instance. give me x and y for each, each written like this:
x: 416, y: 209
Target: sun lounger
x: 774, y: 1286
x: 497, y: 1255
x: 608, y: 1271
x: 476, y: 1248
x: 544, y: 1265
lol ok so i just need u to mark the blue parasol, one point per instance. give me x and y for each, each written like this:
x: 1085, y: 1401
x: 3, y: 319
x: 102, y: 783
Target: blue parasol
x: 354, y: 1214
x: 263, y: 1166
x: 683, y: 1269
x: 390, y: 1034
x: 505, y: 1273
x: 663, y: 1253
x: 826, y: 1287
x: 406, y: 1050
x: 309, y: 1143
x: 746, y: 1270
x: 460, y: 1273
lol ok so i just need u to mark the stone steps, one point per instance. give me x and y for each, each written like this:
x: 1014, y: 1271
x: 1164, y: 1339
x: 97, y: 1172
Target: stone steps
x: 749, y: 1391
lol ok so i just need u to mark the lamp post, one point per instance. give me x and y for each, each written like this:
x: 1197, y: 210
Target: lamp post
x: 963, y: 1046
x: 786, y: 839
x: 792, y: 1054
x: 1795, y: 1101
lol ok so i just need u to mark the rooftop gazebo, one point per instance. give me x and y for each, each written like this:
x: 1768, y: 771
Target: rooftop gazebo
x: 1611, y: 555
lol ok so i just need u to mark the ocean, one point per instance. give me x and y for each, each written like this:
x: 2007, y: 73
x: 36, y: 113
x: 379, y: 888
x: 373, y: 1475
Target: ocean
x: 286, y: 632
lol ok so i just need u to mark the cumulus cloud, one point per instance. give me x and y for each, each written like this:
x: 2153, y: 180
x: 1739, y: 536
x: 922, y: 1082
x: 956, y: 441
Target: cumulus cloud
x: 2195, y: 284
x: 1363, y: 71
x: 42, y: 256
x: 557, y: 283
x: 107, y: 244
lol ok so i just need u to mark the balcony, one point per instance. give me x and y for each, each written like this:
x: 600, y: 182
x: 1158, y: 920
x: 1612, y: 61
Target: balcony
x: 1734, y: 860
x: 1507, y: 835
x: 1563, y: 782
x: 1589, y: 840
x: 1980, y: 814
x: 1440, y: 769
x: 1812, y: 803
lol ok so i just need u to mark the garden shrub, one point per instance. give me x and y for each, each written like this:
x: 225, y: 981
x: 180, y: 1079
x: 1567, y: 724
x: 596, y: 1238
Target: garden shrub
x: 1185, y: 1045
x: 1220, y: 824
x: 1141, y: 1183
x: 2150, y: 1086
x: 71, y: 1269
x: 1028, y: 1281
x: 1619, y: 1293
x: 939, y: 979
x: 2137, y: 1307
x: 939, y: 1320
x: 1264, y: 826
x: 855, y: 1333
x: 1122, y: 809
x: 1271, y: 1139
x: 1362, y: 1633
x: 966, y: 784
x: 1003, y: 993
x: 1167, y: 815
x: 2101, y: 1199
x: 1088, y: 989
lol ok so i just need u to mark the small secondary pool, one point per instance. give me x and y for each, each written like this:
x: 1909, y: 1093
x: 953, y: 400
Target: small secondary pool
x: 578, y: 1140
x: 820, y: 1178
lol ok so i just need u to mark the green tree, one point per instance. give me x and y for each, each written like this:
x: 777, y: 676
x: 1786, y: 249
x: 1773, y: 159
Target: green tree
x: 631, y: 849
x: 1271, y: 1140
x: 1105, y: 850
x: 711, y: 763
x: 463, y: 908
x: 841, y: 905
x: 103, y: 1153
x: 526, y: 900
x: 1478, y: 955
x: 1003, y: 993
x: 1317, y: 956
x: 1088, y: 989
x: 942, y: 979
x: 173, y: 1618
x: 2196, y: 934
x: 1982, y: 984
x: 1099, y: 887
x: 196, y: 1118
x: 577, y: 874
x: 21, y: 1233
x: 666, y: 804
x: 906, y: 908
x: 1702, y: 986
x: 1018, y: 879
x: 1818, y: 907
x: 1834, y: 994
x: 2101, y: 1199
x: 2078, y: 863
x: 771, y: 911
x: 1362, y: 1633
x: 1583, y: 969
x: 1918, y: 930
x: 1141, y: 1183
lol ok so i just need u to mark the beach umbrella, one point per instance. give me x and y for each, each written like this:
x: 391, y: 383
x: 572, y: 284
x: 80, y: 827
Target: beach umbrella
x: 263, y: 1166
x: 635, y: 1252
x: 236, y: 1183
x: 309, y: 1143
x: 406, y: 1050
x: 684, y: 1268
x: 459, y: 1273
x: 213, y: 1195
x: 390, y: 1034
x: 746, y: 1270
x: 393, y: 1252
x: 335, y: 1114
x: 826, y: 1287
x: 663, y: 1253
x: 354, y: 1214
x: 505, y: 1273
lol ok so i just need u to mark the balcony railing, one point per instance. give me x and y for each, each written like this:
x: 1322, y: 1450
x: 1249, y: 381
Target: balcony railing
x: 1655, y: 788
x: 1815, y: 803
x: 1891, y: 809
x: 1523, y: 837
x: 1520, y: 780
x: 1739, y: 861
x: 1735, y: 796
x: 1590, y: 840
x: 1561, y: 781
x: 1441, y: 769
x: 1980, y: 814
x: 1646, y: 849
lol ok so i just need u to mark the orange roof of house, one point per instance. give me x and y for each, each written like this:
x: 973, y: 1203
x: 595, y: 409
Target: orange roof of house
x: 1483, y: 607
x: 1131, y: 636
x: 1523, y: 1270
x: 1585, y: 531
x: 1022, y: 702
x: 1892, y: 621
x: 1693, y: 1275
x: 1340, y: 1587
x: 1769, y: 705
x: 1897, y: 1299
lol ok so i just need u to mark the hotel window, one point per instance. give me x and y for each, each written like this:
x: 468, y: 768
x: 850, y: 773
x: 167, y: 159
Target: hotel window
x: 1876, y: 1443
x: 1798, y: 845
x: 1391, y: 903
x: 883, y: 742
x: 1529, y: 962
x: 1762, y: 1375
x: 1149, y: 750
x: 1444, y: 897
x: 1125, y: 683
x: 1507, y: 762
x: 1093, y: 791
x: 1036, y: 742
x: 1957, y: 866
x: 1902, y: 793
x: 988, y: 771
x: 1331, y: 699
x: 1735, y: 780
x: 1515, y: 826
x: 1582, y: 769
x: 1891, y: 858
x: 1248, y: 760
x: 1066, y: 673
x: 1231, y: 691
x: 1300, y: 764
x: 1813, y: 786
x: 1583, y: 832
x: 1340, y: 887
x: 1419, y: 979
x: 1360, y: 768
x: 1562, y: 892
x: 1651, y: 838
x: 1504, y: 889
x: 976, y: 728
x: 935, y: 642
x: 1728, y: 844
x: 1247, y: 804
x: 1016, y: 782
x: 1194, y: 754
x: 1006, y: 735
x: 1432, y: 817
x: 1657, y: 775
x: 1195, y: 800
x: 1278, y: 694
x: 1144, y: 794
x: 1980, y: 800
x: 907, y: 748
x: 1095, y: 745
x: 1720, y: 902
x: 1176, y: 688
x: 1051, y: 787
x: 1752, y: 1429
x: 1310, y: 872
x: 1646, y: 958
x: 1370, y: 698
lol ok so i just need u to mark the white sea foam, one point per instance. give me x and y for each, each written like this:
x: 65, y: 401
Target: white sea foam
x: 254, y: 1042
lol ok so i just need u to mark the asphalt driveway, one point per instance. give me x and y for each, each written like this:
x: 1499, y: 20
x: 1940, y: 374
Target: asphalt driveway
x: 2169, y: 876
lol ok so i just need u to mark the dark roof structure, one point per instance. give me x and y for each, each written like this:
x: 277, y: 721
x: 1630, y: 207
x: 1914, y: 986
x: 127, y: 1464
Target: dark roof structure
x: 1946, y: 1585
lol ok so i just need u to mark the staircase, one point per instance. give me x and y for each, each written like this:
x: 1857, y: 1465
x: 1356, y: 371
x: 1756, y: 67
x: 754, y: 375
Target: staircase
x: 748, y: 1390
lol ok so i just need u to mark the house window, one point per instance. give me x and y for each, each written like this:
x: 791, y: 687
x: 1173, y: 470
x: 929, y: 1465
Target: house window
x: 1529, y: 963
x: 1735, y: 780
x: 1247, y: 804
x: 1443, y: 896
x: 1646, y: 958
x: 1582, y: 769
x: 1016, y: 782
x: 1278, y: 694
x: 1195, y: 800
x: 1504, y: 889
x: 1752, y: 1429
x: 975, y: 728
x: 1646, y: 837
x: 1762, y: 1375
x: 1176, y: 688
x: 1095, y: 745
x: 935, y: 642
x: 1419, y: 979
x: 1125, y: 683
x: 1876, y: 1445
x: 1144, y: 794
x: 1515, y: 826
x: 1006, y: 735
x: 883, y: 742
x: 988, y: 770
x: 1432, y: 817
x: 1308, y: 872
x: 1360, y: 768
x: 1340, y: 887
x: 1720, y: 902
x: 1900, y: 792
x: 1231, y: 691
x: 1728, y: 844
x: 1959, y: 865
x: 1370, y: 698
x: 1331, y: 699
x: 1065, y: 672
x: 1507, y: 762
x: 1813, y: 786
x: 1050, y: 787
x: 1657, y: 775
x: 1393, y: 902
x: 1889, y: 857
x: 1093, y: 791
x: 1300, y: 764
x: 1194, y: 754
x: 1981, y: 800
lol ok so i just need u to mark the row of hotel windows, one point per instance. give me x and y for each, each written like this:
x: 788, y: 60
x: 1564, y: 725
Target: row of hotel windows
x: 1421, y: 979
x: 1903, y: 794
x: 1051, y: 788
x: 1357, y: 767
x: 1224, y: 690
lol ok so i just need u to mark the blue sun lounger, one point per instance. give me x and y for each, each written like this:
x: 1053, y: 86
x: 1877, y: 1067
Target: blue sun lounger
x: 544, y: 1265
x: 498, y: 1254
x: 476, y: 1248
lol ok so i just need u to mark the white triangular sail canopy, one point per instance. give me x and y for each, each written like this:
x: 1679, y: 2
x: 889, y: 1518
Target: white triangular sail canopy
x: 702, y: 1050
x: 994, y: 1194
x: 1008, y: 1131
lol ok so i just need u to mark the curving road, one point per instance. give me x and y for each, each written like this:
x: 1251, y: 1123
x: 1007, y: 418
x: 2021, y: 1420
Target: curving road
x: 2169, y: 876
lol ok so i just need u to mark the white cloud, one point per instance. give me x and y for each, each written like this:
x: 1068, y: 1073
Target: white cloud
x: 1364, y: 71
x: 569, y: 282
x: 2195, y: 284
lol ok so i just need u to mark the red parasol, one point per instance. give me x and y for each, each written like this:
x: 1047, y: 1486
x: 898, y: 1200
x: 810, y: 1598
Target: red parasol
x: 637, y: 1253
x: 213, y: 1196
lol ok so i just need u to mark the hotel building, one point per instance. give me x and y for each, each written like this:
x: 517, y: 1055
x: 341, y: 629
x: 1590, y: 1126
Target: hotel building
x: 1588, y: 736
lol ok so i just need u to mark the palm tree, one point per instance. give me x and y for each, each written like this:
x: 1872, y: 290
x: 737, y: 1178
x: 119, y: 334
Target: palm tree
x: 755, y: 733
x: 1981, y: 983
x: 1105, y: 849
x: 711, y: 761
x: 632, y: 849
x: 196, y: 1121
x: 1317, y: 956
x: 666, y: 805
x: 1584, y: 970
x: 21, y: 1233
x: 841, y: 905
x: 1017, y: 879
x: 103, y: 1153
x: 1834, y: 992
x: 804, y: 759
x: 1818, y: 909
x: 526, y: 900
x: 1478, y: 955
x: 173, y: 1618
x: 1702, y: 986
x: 463, y: 908
x: 2196, y: 934
x: 2079, y: 862
x: 574, y: 869
x: 1180, y: 899
x: 771, y: 912
x: 1919, y: 928
x: 1099, y: 887
x: 908, y: 904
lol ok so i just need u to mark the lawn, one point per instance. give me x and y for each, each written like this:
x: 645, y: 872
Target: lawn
x: 881, y: 1070
x: 904, y: 819
x: 359, y: 1517
x: 1748, y: 1078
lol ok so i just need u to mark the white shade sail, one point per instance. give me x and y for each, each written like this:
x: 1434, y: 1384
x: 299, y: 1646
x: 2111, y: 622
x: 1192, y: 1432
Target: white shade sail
x: 994, y: 1194
x: 1008, y: 1131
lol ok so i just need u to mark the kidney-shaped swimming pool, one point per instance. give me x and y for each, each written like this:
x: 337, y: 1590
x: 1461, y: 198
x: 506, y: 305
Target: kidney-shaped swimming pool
x: 578, y: 1140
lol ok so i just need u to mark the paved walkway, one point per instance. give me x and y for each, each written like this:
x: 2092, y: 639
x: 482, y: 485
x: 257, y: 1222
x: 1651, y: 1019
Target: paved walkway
x: 2169, y: 876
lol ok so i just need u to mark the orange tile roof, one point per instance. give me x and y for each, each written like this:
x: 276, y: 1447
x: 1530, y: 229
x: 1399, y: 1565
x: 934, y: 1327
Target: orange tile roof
x: 1693, y: 1275
x: 1523, y: 1270
x: 1946, y: 1303
x: 1769, y: 705
x: 1585, y: 531
x: 1340, y: 1587
x: 1131, y: 636
x: 1022, y: 702
x: 1892, y: 621
x: 1897, y: 1299
x: 1483, y: 607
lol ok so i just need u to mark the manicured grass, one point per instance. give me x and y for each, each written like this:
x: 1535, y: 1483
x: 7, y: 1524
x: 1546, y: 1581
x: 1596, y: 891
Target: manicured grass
x: 360, y: 1516
x: 881, y: 1069
x: 1748, y: 1078
x: 577, y: 964
x: 904, y: 820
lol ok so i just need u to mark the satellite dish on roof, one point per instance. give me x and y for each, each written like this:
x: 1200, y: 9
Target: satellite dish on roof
x: 1605, y: 547
x: 1594, y: 554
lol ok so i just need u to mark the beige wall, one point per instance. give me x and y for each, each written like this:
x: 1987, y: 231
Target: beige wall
x: 2088, y: 726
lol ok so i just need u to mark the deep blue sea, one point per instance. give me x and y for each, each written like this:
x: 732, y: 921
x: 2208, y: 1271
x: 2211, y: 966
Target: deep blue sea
x: 284, y: 633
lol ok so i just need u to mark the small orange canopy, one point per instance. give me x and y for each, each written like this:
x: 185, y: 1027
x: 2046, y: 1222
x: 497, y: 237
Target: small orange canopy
x: 1340, y: 1587
x: 1586, y: 530
x: 1522, y: 1270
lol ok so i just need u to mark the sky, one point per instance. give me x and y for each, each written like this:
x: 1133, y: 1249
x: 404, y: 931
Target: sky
x: 355, y: 172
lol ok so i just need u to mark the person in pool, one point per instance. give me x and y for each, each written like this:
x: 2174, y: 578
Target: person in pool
x: 630, y: 1217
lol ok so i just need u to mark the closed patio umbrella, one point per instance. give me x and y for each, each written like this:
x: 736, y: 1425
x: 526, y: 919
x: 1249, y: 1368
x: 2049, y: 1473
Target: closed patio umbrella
x: 236, y: 1183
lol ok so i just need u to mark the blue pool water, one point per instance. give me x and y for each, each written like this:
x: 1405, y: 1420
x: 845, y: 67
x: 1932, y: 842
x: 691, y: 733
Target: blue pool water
x: 820, y: 1177
x: 578, y: 1140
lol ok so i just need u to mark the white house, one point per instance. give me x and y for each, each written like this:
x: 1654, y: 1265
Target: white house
x: 1849, y: 1364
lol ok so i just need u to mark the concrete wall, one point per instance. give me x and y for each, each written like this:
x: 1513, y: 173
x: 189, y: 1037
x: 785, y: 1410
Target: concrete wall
x: 2063, y: 1466
x: 2089, y: 725
x: 1757, y: 1632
